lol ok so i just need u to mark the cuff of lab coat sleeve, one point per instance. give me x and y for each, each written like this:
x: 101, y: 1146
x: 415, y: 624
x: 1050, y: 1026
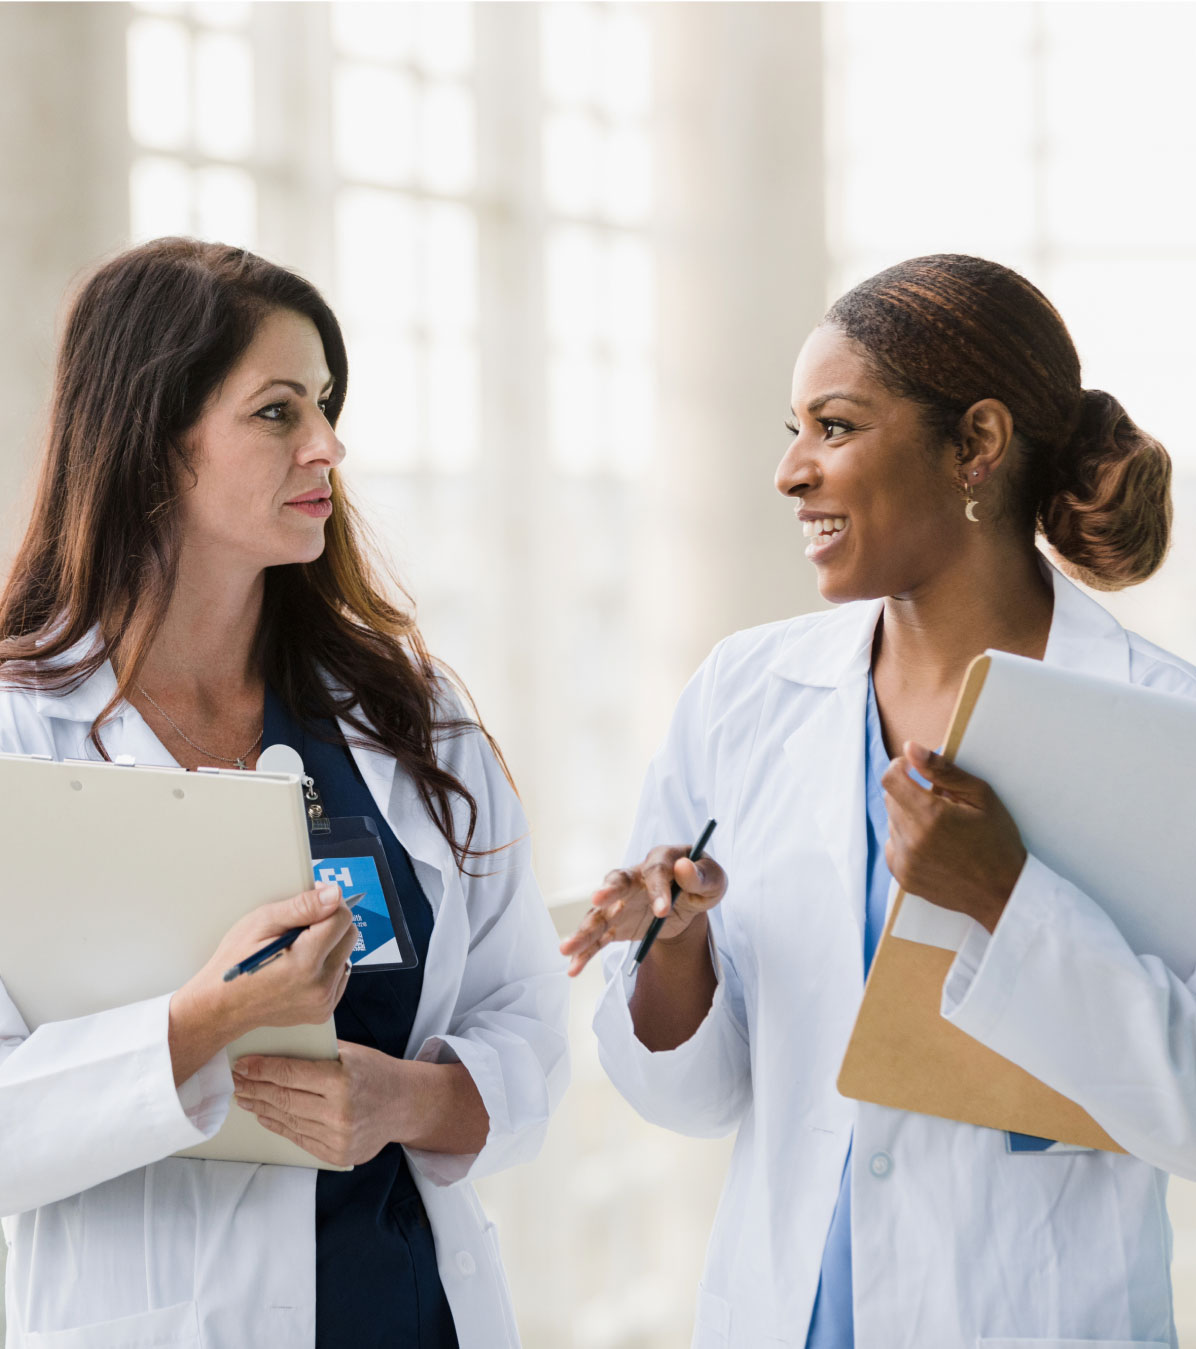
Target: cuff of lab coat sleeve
x: 643, y: 1074
x: 983, y: 975
x: 194, y: 1111
x: 207, y: 1094
x: 447, y: 1168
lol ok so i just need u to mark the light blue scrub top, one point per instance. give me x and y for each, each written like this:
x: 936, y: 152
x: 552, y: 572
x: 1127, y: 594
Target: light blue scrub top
x: 832, y: 1325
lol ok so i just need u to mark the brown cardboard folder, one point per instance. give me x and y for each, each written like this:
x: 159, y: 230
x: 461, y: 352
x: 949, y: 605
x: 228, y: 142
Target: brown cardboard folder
x: 904, y: 1054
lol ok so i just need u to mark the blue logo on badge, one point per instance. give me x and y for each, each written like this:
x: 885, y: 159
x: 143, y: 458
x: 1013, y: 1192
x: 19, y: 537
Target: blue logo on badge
x: 359, y: 875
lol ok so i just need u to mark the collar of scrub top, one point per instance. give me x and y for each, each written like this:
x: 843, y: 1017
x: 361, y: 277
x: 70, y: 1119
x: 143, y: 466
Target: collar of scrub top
x: 1083, y: 636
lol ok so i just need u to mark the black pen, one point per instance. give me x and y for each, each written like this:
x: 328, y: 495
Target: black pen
x: 674, y: 890
x: 272, y: 950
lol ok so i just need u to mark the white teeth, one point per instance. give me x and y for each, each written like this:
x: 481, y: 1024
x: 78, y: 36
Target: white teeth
x: 825, y: 528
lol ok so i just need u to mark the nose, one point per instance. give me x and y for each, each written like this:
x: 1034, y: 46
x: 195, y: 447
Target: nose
x: 322, y: 445
x: 798, y: 472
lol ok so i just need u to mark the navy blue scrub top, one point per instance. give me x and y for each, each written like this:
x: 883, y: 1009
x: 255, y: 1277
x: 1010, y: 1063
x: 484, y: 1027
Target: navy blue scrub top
x: 376, y: 1278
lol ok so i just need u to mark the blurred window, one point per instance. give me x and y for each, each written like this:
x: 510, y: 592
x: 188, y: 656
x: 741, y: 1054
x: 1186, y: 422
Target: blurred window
x: 191, y: 122
x: 404, y: 143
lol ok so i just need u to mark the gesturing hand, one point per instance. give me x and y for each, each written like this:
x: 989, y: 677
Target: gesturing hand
x: 628, y: 899
x: 342, y: 1112
x: 957, y: 846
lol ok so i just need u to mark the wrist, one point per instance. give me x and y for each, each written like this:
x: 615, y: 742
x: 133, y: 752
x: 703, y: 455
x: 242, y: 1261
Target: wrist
x: 404, y: 1095
x: 206, y: 1016
x: 693, y: 936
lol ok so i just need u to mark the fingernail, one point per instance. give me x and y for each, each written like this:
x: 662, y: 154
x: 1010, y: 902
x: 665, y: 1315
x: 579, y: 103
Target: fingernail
x: 328, y: 893
x: 661, y: 906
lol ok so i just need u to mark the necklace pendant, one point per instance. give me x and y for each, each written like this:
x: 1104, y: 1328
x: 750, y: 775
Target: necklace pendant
x: 240, y: 763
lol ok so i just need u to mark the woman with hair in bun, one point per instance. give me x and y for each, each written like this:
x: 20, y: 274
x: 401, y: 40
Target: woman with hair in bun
x: 938, y: 426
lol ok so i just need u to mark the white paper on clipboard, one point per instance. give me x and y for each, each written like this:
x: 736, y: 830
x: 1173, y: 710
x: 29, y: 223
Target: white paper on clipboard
x: 1097, y: 774
x: 141, y: 871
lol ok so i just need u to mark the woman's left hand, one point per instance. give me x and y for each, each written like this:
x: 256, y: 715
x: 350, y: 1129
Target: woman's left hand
x: 957, y: 847
x: 343, y: 1112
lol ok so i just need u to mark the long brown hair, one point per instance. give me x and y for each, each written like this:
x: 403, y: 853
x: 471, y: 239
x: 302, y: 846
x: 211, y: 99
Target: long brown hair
x: 149, y: 338
x: 949, y: 330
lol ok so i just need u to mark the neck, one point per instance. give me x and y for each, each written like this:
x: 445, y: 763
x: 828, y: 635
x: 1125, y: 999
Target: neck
x: 204, y: 651
x: 996, y: 596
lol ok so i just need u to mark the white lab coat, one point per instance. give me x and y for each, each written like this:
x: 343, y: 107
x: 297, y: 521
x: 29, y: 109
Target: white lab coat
x: 116, y: 1245
x: 955, y: 1241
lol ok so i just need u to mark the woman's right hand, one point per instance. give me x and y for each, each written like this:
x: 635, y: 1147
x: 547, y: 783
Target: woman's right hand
x: 628, y: 900
x: 301, y: 987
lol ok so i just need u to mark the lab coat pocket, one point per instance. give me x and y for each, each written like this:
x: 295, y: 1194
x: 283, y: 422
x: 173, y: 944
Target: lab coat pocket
x: 1020, y: 1343
x: 174, y: 1327
x: 712, y: 1321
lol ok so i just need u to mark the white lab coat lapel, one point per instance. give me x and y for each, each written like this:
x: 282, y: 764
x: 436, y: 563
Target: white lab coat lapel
x: 435, y: 867
x: 833, y: 735
x: 1083, y: 636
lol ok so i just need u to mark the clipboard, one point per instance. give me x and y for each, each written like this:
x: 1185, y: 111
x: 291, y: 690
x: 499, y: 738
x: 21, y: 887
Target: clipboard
x: 1133, y: 852
x: 119, y: 883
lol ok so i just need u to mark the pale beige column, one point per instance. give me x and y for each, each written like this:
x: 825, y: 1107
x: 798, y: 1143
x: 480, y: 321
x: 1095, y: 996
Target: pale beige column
x: 742, y: 281
x: 63, y: 203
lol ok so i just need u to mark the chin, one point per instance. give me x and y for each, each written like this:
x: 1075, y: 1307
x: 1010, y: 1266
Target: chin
x: 841, y: 587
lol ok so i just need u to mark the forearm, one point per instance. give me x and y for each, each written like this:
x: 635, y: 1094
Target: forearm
x: 674, y: 989
x: 438, y: 1108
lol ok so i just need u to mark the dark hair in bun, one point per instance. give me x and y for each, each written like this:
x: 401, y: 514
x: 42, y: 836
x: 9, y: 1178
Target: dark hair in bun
x: 950, y: 330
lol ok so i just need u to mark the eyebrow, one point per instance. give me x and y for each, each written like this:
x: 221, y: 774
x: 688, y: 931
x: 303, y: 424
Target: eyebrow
x: 819, y: 403
x: 300, y: 389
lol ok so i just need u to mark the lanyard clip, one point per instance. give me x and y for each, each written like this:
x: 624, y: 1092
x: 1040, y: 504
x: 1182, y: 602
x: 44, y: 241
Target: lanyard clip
x: 317, y: 821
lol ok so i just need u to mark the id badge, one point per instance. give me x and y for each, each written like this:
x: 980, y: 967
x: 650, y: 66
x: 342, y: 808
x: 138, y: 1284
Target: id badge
x: 351, y: 855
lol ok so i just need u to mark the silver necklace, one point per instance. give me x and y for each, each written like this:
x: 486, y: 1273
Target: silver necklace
x: 239, y: 761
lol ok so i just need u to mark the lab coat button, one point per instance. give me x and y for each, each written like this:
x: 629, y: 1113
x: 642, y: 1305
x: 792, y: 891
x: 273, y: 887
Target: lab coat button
x: 466, y: 1263
x: 880, y: 1164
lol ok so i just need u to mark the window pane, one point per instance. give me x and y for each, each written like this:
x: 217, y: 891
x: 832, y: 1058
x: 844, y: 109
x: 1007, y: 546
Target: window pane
x: 221, y: 13
x: 573, y: 281
x: 226, y: 206
x: 627, y: 69
x: 452, y: 384
x: 375, y: 259
x: 380, y: 424
x: 569, y: 37
x: 373, y: 117
x: 573, y: 152
x: 374, y: 32
x: 444, y: 45
x: 223, y: 96
x: 632, y: 402
x: 159, y: 83
x: 450, y: 269
x: 159, y: 199
x: 446, y: 142
x: 628, y: 177
x: 886, y: 210
x: 577, y: 412
x: 629, y: 293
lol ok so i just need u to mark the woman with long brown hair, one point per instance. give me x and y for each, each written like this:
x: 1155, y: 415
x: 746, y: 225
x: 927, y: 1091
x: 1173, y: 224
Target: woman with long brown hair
x: 193, y: 585
x: 938, y: 425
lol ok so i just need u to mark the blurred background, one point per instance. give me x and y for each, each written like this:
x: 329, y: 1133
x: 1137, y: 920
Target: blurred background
x: 575, y: 248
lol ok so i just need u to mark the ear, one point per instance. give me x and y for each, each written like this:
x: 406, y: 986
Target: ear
x: 985, y: 440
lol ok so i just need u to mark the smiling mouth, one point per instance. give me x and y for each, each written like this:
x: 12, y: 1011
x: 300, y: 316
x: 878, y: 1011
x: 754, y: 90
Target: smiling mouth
x: 823, y: 532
